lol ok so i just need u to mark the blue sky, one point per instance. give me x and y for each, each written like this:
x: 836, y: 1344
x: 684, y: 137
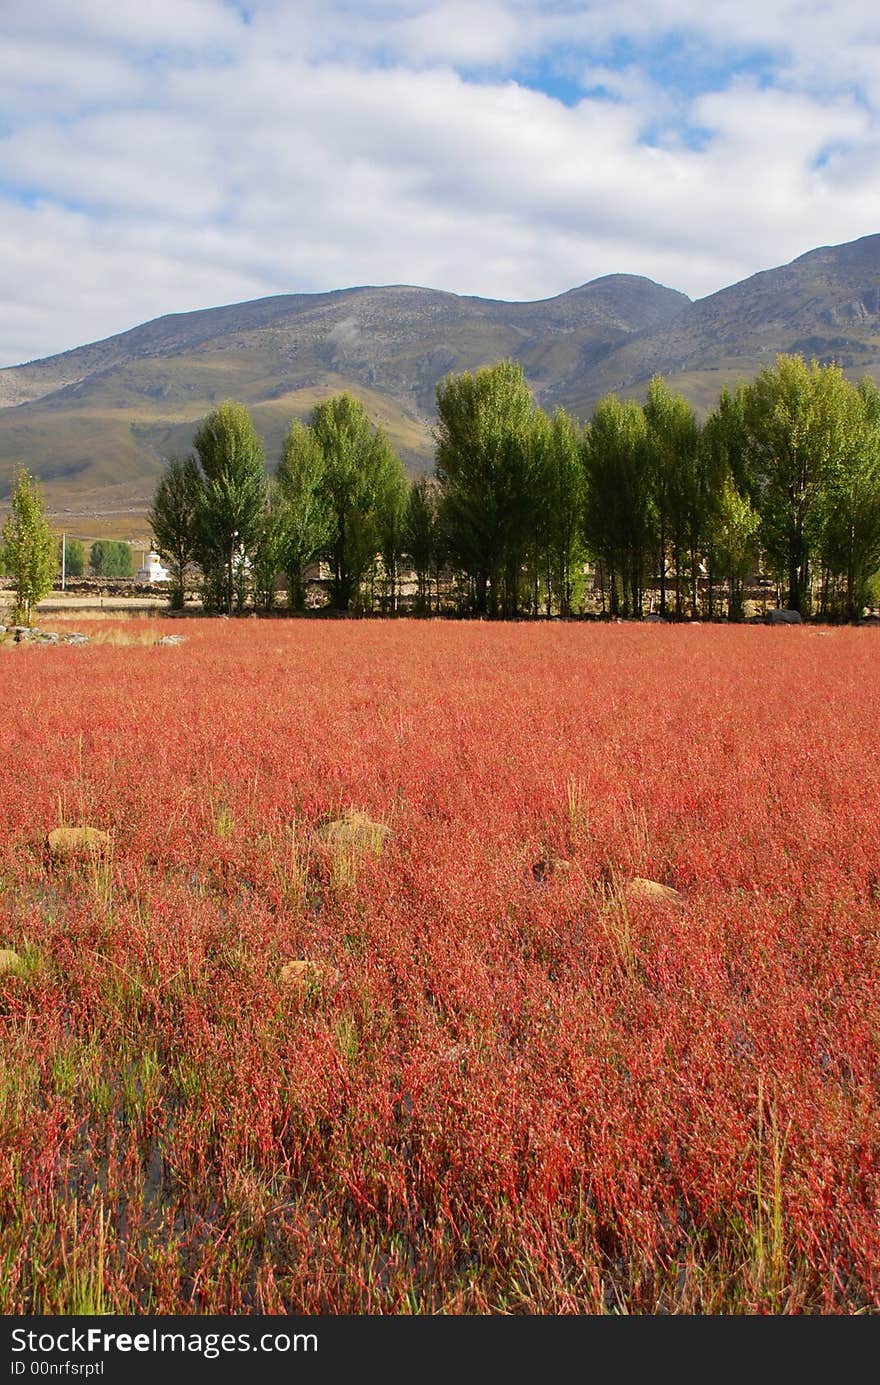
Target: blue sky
x: 188, y: 153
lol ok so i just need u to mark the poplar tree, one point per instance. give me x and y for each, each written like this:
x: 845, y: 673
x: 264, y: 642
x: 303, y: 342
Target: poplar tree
x: 304, y: 514
x: 174, y: 521
x: 482, y: 467
x: 28, y: 547
x: 232, y: 498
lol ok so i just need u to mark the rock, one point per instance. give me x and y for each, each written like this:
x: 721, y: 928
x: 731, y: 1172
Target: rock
x: 10, y: 962
x: 171, y: 639
x: 304, y: 973
x: 652, y: 618
x: 77, y: 841
x: 652, y: 891
x: 355, y: 833
x: 782, y: 617
x: 75, y: 638
x: 23, y: 633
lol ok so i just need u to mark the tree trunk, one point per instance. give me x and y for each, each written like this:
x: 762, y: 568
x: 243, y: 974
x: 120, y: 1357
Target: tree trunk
x: 662, y: 557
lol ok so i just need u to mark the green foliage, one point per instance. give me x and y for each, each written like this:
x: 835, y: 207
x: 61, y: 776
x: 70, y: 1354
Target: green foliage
x: 174, y: 520
x: 618, y: 519
x: 306, y: 522
x: 361, y: 483
x: 735, y: 535
x: 391, y: 513
x: 269, y: 552
x: 800, y: 424
x: 672, y: 439
x: 72, y: 554
x: 231, y: 500
x: 111, y: 558
x: 849, y: 507
x: 483, y: 470
x: 420, y: 537
x: 28, y: 547
x: 557, y: 483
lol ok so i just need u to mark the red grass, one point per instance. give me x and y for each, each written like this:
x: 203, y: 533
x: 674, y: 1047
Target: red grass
x: 519, y: 1094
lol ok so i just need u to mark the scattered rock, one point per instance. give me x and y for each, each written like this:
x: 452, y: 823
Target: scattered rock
x: 77, y: 841
x: 10, y: 962
x: 31, y: 634
x: 355, y: 833
x: 653, y: 891
x: 782, y: 617
x: 652, y: 618
x: 171, y: 639
x: 304, y: 973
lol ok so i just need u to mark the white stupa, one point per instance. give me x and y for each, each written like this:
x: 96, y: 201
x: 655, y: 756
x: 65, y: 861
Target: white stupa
x: 152, y: 570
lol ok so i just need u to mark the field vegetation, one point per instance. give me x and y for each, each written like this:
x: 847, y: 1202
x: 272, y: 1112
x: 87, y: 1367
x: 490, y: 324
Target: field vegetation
x: 445, y: 967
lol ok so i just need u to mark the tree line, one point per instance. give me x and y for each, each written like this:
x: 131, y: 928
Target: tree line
x: 783, y: 476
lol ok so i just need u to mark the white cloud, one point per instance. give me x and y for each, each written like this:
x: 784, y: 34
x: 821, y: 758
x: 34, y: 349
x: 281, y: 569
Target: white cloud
x: 183, y: 157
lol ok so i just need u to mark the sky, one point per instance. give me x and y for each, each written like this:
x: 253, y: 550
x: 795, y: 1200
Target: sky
x: 181, y: 154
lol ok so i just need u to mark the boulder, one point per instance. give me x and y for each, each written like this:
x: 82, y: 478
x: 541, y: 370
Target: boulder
x: 171, y: 639
x: 355, y: 833
x: 783, y: 617
x: 652, y: 891
x: 302, y: 972
x: 10, y: 962
x: 64, y: 842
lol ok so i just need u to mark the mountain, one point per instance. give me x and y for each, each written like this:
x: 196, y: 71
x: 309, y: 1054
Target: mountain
x: 96, y: 423
x: 824, y: 304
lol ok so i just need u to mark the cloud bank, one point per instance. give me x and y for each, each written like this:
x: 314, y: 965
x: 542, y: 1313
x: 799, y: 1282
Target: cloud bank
x: 188, y: 153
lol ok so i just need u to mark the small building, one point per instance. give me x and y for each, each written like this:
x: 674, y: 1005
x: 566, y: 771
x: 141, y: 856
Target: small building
x: 152, y: 570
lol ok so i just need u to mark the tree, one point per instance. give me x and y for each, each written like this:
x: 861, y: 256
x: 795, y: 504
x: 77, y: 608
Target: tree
x: 482, y: 467
x: 306, y: 521
x: 174, y: 521
x: 724, y: 475
x: 734, y: 539
x: 673, y: 436
x: 28, y: 547
x: 557, y: 487
x: 361, y: 476
x: 618, y: 521
x: 798, y: 427
x: 420, y: 536
x: 391, y: 519
x: 111, y: 558
x: 268, y: 551
x: 232, y: 496
x: 850, y: 504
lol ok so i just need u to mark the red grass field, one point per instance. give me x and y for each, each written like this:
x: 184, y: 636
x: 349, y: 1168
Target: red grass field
x: 512, y: 1087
